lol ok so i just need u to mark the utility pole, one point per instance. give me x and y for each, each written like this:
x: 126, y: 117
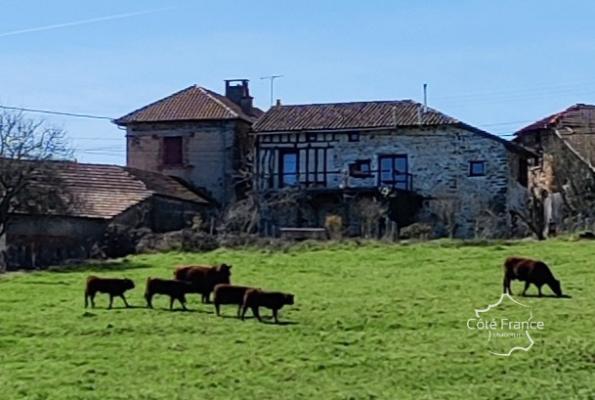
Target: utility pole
x: 272, y: 78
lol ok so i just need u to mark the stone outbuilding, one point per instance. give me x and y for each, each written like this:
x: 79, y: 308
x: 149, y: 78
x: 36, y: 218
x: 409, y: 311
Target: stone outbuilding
x: 98, y: 195
x: 197, y: 135
x: 349, y: 159
x: 565, y: 173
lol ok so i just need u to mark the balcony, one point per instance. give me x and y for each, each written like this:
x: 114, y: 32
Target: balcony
x: 335, y: 180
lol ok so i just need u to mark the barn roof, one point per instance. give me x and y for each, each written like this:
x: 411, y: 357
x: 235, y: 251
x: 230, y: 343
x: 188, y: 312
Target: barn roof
x: 105, y: 191
x: 576, y: 116
x: 194, y: 103
x: 355, y: 115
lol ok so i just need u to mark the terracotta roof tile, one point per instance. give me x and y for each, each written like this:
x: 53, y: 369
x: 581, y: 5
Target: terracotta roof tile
x: 357, y: 115
x: 191, y: 104
x: 104, y: 191
x: 573, y: 116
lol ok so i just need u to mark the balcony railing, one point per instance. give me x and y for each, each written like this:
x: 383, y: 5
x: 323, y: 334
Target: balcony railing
x: 335, y: 180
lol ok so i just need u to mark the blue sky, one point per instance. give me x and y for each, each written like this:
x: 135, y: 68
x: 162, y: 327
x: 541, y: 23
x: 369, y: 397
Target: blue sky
x: 494, y: 64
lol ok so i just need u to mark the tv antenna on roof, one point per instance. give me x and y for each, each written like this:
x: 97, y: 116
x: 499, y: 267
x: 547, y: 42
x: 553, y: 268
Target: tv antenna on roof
x: 272, y: 78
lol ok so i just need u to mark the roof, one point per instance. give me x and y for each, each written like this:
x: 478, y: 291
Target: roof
x: 194, y: 103
x: 104, y: 191
x: 364, y: 115
x: 573, y: 116
x: 355, y: 115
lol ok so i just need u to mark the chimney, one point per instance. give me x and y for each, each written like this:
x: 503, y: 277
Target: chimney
x: 237, y: 91
x: 278, y: 104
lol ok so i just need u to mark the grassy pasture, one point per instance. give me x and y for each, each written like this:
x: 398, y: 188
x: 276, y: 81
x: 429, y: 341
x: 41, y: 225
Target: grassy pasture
x: 371, y: 321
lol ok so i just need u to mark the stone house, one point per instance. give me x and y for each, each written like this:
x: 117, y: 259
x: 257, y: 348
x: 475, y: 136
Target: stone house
x: 565, y: 173
x: 433, y: 168
x: 197, y: 135
x: 96, y: 196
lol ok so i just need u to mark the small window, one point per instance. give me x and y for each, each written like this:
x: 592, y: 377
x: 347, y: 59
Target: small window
x: 360, y: 169
x: 311, y: 137
x: 523, y: 177
x: 354, y: 137
x: 172, y: 151
x: 477, y: 168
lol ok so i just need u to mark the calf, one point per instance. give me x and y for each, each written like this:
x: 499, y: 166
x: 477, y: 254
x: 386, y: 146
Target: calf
x: 176, y: 290
x: 204, y: 278
x: 255, y: 298
x: 531, y: 272
x: 113, y: 287
x: 229, y: 294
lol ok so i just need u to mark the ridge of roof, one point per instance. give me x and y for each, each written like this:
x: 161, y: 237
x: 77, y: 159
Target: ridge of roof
x: 210, y: 94
x: 121, y: 120
x: 193, y: 103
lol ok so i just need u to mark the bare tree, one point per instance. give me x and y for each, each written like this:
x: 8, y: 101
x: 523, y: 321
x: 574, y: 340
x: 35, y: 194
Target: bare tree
x: 533, y: 215
x: 447, y: 210
x: 243, y: 216
x: 28, y: 151
x: 370, y: 211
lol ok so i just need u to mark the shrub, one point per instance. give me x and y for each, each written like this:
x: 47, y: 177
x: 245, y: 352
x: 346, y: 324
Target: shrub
x: 183, y: 240
x: 334, y: 226
x: 418, y: 230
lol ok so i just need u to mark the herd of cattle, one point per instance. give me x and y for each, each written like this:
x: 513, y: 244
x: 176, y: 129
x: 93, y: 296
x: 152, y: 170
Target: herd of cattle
x: 202, y: 280
x: 205, y: 280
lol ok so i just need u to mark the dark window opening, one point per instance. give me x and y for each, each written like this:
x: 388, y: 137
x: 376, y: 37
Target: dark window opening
x: 477, y: 168
x: 172, y: 151
x: 523, y: 177
x: 394, y: 171
x: 360, y: 169
x: 289, y: 168
x: 354, y: 137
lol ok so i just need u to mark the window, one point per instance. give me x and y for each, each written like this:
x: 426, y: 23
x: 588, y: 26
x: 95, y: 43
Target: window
x: 311, y: 137
x: 477, y: 168
x: 313, y: 166
x: 523, y: 177
x: 172, y: 151
x: 360, y: 169
x: 354, y: 137
x: 394, y: 171
x: 289, y: 168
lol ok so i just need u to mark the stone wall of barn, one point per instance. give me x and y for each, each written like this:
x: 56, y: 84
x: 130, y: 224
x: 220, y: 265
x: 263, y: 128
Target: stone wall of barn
x: 563, y: 169
x: 212, y: 153
x: 439, y: 162
x: 37, y: 241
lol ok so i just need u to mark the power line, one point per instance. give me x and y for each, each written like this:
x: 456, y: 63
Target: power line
x: 61, y: 113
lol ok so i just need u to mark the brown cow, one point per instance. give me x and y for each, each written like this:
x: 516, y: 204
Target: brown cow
x: 255, y: 298
x: 204, y: 278
x: 531, y: 272
x: 176, y: 290
x: 113, y: 287
x: 229, y: 294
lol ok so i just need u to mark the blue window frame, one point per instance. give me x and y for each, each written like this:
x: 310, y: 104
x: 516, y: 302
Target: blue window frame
x: 477, y: 168
x: 289, y: 168
x: 394, y: 171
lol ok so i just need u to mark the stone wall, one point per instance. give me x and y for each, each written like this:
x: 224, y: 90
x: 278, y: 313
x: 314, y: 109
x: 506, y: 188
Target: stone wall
x: 564, y: 171
x: 212, y: 152
x: 438, y: 159
x: 36, y: 241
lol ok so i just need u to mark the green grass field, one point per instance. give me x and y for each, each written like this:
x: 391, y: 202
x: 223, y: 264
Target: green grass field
x: 373, y: 321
